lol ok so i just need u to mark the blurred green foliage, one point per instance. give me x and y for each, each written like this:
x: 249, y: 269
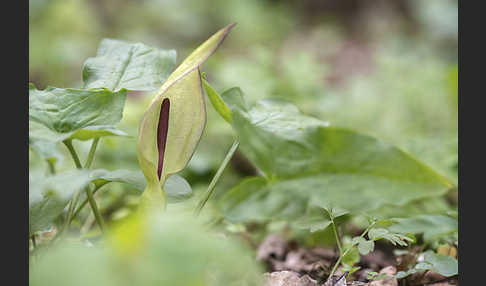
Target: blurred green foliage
x: 172, y: 249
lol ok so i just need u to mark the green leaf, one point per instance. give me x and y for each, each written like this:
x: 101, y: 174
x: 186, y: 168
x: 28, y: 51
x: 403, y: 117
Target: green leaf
x: 45, y: 148
x: 65, y: 110
x: 217, y: 102
x: 133, y: 66
x: 394, y: 238
x: 442, y: 264
x: 316, y: 222
x: 91, y: 132
x: 350, y: 270
x: 351, y: 258
x: 403, y: 274
x: 364, y: 246
x: 185, y: 115
x: 233, y: 98
x: 49, y: 196
x: 312, y: 223
x: 432, y: 226
x: 57, y: 114
x: 307, y: 163
x: 377, y: 233
x: 252, y: 200
x: 133, y: 178
x: 177, y: 189
x: 317, y: 219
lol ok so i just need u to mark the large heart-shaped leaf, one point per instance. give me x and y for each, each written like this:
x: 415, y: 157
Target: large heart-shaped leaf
x: 133, y: 66
x: 66, y: 110
x: 173, y: 124
x: 57, y: 114
x: 307, y: 163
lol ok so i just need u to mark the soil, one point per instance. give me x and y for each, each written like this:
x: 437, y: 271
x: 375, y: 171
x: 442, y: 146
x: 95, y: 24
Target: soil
x: 289, y: 264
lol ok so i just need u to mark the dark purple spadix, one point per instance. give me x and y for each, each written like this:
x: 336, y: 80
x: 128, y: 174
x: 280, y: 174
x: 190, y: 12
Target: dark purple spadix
x: 162, y: 133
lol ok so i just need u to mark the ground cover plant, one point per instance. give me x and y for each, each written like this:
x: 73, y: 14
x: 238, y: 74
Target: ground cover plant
x: 312, y: 180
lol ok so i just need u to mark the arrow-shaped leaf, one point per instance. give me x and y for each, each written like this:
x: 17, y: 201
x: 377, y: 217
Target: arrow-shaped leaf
x: 133, y: 66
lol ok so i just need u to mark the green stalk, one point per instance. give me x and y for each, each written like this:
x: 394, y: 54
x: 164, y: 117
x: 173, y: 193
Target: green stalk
x: 73, y: 201
x: 67, y: 222
x: 347, y: 250
x: 91, y: 153
x: 216, y: 177
x: 81, y: 206
x: 94, y: 208
x: 89, y: 194
x: 70, y: 147
x: 52, y: 167
x: 336, y: 235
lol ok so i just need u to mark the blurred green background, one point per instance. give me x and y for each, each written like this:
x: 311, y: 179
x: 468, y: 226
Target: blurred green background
x: 384, y: 68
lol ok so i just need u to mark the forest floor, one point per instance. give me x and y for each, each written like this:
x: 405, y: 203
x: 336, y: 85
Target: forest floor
x: 288, y: 264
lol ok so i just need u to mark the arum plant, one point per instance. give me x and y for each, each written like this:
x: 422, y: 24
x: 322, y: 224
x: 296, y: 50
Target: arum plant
x: 172, y: 126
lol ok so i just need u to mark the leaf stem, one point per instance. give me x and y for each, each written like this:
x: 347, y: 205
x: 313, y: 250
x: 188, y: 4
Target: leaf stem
x: 91, y: 153
x: 81, y: 206
x: 52, y: 167
x: 70, y: 147
x: 94, y: 208
x: 336, y: 235
x: 74, y: 200
x: 348, y: 249
x: 216, y: 177
x: 89, y: 194
x: 67, y: 222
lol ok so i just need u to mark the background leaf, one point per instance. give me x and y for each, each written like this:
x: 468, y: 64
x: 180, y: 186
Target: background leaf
x: 57, y: 114
x: 65, y: 110
x: 364, y: 246
x: 233, y: 98
x: 49, y: 196
x: 307, y: 163
x: 442, y: 264
x: 133, y: 178
x: 432, y: 226
x: 45, y: 148
x: 133, y: 66
x: 177, y: 189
